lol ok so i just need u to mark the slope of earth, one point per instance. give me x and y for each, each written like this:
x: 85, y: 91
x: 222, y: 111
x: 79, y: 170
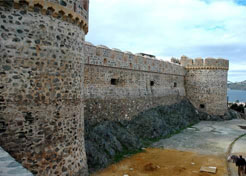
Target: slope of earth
x: 160, y: 162
x: 204, y: 144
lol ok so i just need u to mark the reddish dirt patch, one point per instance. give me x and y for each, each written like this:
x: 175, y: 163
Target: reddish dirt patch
x: 160, y: 162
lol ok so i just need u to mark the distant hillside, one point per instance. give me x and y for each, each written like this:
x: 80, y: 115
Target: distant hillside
x: 237, y: 85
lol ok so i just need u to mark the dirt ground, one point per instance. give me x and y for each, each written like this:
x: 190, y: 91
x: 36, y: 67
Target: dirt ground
x: 162, y: 162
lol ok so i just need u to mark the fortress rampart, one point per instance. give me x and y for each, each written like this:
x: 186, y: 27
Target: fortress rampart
x: 206, y: 83
x: 119, y: 85
x: 51, y: 79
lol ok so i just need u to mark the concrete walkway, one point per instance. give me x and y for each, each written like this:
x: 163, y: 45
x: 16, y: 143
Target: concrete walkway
x: 9, y: 167
x: 210, y: 138
x: 238, y: 148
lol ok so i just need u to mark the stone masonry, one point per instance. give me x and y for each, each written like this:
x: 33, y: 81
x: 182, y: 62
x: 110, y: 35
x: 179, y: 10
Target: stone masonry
x: 51, y: 79
x: 41, y: 51
x: 206, y: 84
x: 118, y: 85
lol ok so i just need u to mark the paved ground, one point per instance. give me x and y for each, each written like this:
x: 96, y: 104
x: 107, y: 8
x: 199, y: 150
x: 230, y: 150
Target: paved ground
x: 212, y: 138
x: 239, y: 148
x: 9, y: 167
x: 204, y: 144
x: 205, y: 138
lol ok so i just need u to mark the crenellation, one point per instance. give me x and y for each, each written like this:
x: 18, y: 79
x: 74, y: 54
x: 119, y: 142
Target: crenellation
x: 208, y: 63
x: 48, y: 73
x: 199, y: 62
x: 42, y: 70
x: 68, y: 10
x: 104, y: 56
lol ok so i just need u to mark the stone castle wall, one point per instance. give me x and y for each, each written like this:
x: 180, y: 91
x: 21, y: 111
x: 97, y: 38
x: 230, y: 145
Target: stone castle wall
x: 119, y: 85
x: 41, y: 82
x: 206, y: 84
x: 50, y: 79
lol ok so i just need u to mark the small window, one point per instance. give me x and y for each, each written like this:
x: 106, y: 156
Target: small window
x: 175, y: 84
x: 130, y: 65
x: 105, y: 61
x: 202, y: 106
x: 114, y: 81
x: 152, y: 83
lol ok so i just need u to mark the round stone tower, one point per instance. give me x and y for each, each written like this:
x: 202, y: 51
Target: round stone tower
x: 41, y: 83
x: 206, y: 84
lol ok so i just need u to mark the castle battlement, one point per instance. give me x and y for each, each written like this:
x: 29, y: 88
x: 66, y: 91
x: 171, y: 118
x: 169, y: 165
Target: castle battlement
x: 208, y: 63
x: 51, y: 79
x: 74, y: 12
x: 104, y: 56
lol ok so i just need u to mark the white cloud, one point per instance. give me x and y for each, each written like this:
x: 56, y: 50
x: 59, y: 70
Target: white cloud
x: 171, y: 27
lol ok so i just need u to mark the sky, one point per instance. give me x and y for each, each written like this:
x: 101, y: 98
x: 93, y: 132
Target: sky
x: 172, y: 28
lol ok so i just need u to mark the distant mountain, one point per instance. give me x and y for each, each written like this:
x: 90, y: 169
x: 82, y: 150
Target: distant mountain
x: 237, y: 85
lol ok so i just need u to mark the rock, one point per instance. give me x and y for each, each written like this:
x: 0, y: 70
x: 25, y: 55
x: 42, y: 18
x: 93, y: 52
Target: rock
x: 208, y: 169
x: 107, y: 139
x: 150, y: 167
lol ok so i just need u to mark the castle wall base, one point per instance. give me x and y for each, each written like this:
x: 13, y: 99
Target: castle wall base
x: 98, y: 110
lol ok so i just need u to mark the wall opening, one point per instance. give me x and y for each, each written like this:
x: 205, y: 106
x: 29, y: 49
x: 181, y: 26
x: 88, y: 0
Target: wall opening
x: 114, y: 81
x: 175, y: 84
x: 105, y: 61
x: 152, y: 83
x: 202, y: 106
x: 130, y: 65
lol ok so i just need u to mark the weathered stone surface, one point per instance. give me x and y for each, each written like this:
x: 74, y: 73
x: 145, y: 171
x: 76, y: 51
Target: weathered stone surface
x: 48, y: 73
x: 107, y: 138
x: 41, y: 117
x: 207, y: 90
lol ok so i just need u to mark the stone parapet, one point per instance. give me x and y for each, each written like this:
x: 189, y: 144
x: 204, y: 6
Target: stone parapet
x: 208, y: 63
x: 104, y: 56
x: 67, y: 10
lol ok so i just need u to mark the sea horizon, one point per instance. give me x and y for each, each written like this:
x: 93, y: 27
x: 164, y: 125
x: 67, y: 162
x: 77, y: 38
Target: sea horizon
x: 236, y: 95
